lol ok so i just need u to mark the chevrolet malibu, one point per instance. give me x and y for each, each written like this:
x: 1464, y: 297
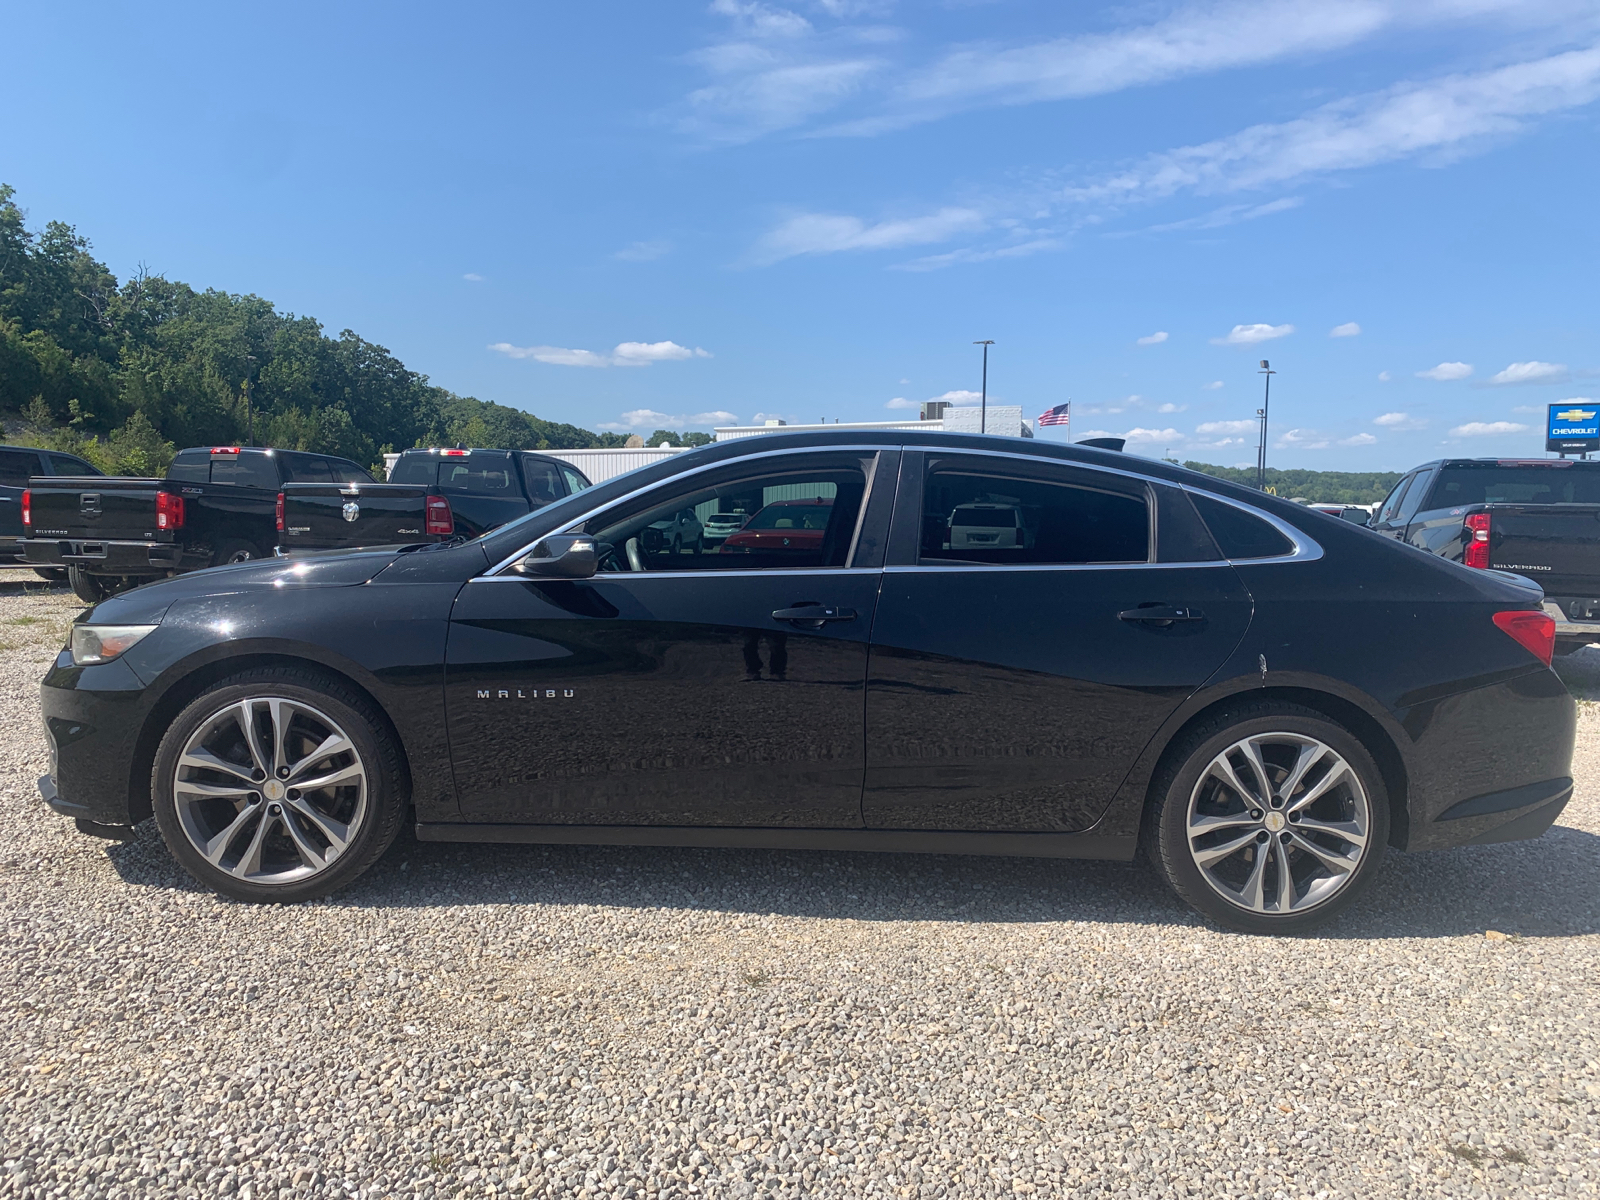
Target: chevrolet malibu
x: 1259, y: 697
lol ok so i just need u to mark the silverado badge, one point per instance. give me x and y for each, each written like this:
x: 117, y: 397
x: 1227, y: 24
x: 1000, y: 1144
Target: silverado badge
x: 351, y: 510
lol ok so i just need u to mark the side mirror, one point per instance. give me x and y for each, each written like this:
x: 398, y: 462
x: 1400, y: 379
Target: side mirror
x: 560, y: 556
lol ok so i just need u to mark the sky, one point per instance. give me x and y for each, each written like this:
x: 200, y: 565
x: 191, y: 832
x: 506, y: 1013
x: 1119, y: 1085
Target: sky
x: 635, y: 215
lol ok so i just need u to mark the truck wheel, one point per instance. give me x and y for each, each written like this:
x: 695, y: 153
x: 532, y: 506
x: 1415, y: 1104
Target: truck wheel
x: 233, y: 552
x: 1269, y: 818
x: 278, y: 785
x: 91, y: 589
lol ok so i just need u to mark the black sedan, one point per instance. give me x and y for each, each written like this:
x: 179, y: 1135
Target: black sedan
x: 1259, y: 696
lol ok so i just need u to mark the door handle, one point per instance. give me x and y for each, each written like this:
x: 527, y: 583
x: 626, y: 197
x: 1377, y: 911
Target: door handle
x: 814, y: 612
x: 1163, y: 613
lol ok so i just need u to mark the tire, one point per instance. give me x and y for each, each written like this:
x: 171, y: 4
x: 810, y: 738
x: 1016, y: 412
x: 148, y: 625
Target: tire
x: 233, y: 551
x: 1222, y: 847
x: 91, y: 589
x: 283, y: 855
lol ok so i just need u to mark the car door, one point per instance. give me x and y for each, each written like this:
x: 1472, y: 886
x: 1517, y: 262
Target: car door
x: 700, y: 688
x: 1390, y: 519
x: 1013, y: 685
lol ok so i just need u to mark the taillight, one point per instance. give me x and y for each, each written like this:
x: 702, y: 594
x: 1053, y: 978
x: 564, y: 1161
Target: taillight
x: 27, y: 507
x: 440, y: 519
x: 1535, y: 631
x: 1476, y: 553
x: 280, y: 512
x: 169, y: 511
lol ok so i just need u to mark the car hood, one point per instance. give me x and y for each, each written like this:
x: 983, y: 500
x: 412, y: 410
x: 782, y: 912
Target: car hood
x: 334, y: 568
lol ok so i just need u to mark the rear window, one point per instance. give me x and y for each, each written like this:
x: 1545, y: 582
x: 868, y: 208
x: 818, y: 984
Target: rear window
x: 191, y: 466
x: 1491, y: 483
x: 1238, y: 534
x: 244, y: 470
x: 576, y: 480
x: 471, y: 474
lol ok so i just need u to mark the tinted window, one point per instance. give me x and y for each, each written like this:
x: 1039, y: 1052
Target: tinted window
x: 473, y: 474
x: 345, y: 471
x: 244, y: 470
x: 827, y: 489
x: 415, y: 468
x: 304, y: 468
x: 1490, y: 483
x: 1237, y: 533
x: 543, y: 478
x: 16, y: 466
x: 191, y: 466
x: 1389, y: 510
x: 576, y: 481
x: 972, y: 516
x: 66, y: 464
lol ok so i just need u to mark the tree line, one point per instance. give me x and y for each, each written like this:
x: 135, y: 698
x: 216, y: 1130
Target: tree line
x: 1332, y: 487
x: 125, y: 373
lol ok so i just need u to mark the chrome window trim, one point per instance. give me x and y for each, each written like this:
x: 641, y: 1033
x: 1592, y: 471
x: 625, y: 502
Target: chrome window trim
x: 1105, y: 566
x: 1306, y: 548
x: 505, y: 563
x: 712, y: 573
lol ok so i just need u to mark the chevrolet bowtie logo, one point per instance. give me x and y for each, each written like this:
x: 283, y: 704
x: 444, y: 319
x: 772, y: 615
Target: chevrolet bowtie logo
x: 1577, y: 414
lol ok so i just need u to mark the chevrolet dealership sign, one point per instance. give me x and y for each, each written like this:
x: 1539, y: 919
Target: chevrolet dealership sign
x: 1574, y: 427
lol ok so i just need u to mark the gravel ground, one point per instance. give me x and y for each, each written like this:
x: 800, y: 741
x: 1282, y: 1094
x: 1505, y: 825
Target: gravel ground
x: 569, y: 1021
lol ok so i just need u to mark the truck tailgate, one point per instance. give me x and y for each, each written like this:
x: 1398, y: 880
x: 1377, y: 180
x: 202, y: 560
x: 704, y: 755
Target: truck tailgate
x: 95, y: 507
x: 323, y: 516
x: 1556, y: 545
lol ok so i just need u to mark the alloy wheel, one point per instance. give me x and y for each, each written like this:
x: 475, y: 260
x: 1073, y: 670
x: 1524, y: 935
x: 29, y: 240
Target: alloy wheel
x: 1278, y: 823
x: 270, y: 790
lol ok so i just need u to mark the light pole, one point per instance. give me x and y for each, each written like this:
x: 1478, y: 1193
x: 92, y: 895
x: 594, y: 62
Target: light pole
x: 1266, y: 403
x: 249, y: 412
x: 983, y: 411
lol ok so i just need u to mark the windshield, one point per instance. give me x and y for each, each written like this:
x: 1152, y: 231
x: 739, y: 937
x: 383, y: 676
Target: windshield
x: 1491, y: 483
x: 985, y: 518
x: 792, y: 516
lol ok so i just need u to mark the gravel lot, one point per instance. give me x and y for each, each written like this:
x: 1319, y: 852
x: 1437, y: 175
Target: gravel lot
x: 483, y: 1021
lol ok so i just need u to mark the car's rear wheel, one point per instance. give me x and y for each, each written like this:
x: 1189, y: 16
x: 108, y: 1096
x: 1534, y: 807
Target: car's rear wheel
x: 1270, y: 819
x: 278, y: 785
x: 91, y: 589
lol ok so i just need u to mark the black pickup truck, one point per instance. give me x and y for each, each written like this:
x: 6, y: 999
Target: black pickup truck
x: 432, y: 495
x: 19, y: 464
x: 1538, y: 518
x: 217, y: 504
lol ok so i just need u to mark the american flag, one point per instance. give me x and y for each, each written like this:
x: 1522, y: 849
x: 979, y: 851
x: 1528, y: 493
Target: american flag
x: 1061, y: 414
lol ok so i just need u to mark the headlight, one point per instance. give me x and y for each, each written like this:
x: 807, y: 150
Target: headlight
x: 102, y: 643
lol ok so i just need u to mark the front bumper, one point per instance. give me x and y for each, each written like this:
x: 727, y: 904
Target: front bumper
x: 105, y: 558
x: 92, y: 717
x: 1568, y: 627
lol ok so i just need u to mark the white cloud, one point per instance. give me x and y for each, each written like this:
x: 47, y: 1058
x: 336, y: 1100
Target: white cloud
x: 1228, y: 214
x: 824, y: 233
x: 1250, y: 335
x: 960, y: 397
x: 1153, y: 435
x: 473, y: 277
x: 626, y: 354
x: 1384, y: 377
x: 1348, y: 329
x: 1155, y: 339
x: 1213, y: 385
x: 1172, y: 408
x: 1532, y: 372
x: 649, y: 418
x: 643, y: 251
x: 1214, y: 428
x: 1398, y: 421
x: 1487, y: 428
x: 1449, y: 114
x: 1083, y: 435
x: 902, y: 402
x: 1446, y: 372
x: 934, y: 262
x: 1302, y: 439
x: 1360, y: 439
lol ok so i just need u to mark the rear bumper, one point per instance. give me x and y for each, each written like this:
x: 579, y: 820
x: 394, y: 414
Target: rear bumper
x: 105, y: 558
x: 1490, y: 765
x: 1567, y: 627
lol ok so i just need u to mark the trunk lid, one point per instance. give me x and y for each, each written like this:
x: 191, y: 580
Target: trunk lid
x: 319, y: 516
x: 91, y: 507
x: 1557, y: 545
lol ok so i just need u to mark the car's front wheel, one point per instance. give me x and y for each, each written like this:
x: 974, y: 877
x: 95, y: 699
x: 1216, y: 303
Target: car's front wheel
x: 1269, y: 819
x: 278, y: 785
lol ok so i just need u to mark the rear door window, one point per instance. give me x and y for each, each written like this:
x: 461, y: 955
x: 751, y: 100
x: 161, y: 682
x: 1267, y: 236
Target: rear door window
x: 544, y: 481
x: 304, y: 468
x: 66, y: 464
x: 974, y: 511
x: 345, y: 471
x: 17, y: 466
x: 1238, y: 534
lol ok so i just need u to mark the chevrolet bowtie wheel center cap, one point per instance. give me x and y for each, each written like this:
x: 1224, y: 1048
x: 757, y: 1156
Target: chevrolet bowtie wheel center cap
x: 1276, y: 821
x: 273, y: 790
